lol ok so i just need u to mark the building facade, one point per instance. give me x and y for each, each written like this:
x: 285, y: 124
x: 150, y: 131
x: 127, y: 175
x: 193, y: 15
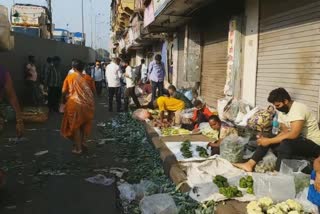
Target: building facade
x: 242, y: 49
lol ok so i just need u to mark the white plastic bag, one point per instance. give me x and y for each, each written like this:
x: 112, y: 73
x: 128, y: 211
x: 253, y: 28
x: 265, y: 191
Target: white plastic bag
x: 289, y: 166
x: 232, y: 148
x: 158, y: 204
x: 127, y: 192
x: 101, y: 179
x: 221, y: 105
x: 268, y: 163
x: 145, y: 188
x: 231, y: 110
x: 245, y: 118
x: 279, y: 187
x: 141, y: 114
x: 308, y: 207
x: 294, y: 167
x: 138, y: 91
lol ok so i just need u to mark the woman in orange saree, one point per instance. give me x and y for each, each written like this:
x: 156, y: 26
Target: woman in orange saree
x: 78, y: 96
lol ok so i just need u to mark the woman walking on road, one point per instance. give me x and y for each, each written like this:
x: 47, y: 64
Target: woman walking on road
x: 78, y: 96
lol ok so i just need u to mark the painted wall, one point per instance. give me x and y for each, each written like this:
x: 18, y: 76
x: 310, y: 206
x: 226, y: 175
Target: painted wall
x: 16, y: 59
x: 250, y: 56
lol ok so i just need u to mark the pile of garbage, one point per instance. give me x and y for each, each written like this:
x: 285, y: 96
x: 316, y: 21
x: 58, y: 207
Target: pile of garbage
x: 145, y: 188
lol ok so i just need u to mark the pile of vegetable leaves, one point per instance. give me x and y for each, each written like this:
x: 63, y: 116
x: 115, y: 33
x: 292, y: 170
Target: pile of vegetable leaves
x: 143, y: 162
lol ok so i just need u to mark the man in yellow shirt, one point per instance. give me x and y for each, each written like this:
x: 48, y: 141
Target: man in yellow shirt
x: 171, y: 105
x: 299, y: 136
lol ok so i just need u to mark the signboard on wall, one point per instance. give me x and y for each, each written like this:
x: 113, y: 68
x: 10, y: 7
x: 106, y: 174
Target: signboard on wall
x: 26, y: 15
x: 148, y: 14
x: 233, y: 65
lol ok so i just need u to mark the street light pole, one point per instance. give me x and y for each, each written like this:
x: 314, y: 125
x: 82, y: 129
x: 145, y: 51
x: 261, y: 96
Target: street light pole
x: 91, y: 24
x: 82, y: 18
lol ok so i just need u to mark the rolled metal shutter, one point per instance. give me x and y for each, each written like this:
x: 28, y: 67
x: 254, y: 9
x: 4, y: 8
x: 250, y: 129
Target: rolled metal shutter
x: 289, y: 50
x: 214, y: 65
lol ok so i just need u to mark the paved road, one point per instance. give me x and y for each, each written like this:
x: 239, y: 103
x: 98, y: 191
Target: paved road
x: 28, y: 192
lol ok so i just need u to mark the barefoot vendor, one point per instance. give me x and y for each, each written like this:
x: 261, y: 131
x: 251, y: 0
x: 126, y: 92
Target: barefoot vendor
x: 299, y: 136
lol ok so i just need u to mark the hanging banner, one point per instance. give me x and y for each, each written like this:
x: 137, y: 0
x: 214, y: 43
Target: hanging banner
x: 233, y: 65
x: 148, y: 14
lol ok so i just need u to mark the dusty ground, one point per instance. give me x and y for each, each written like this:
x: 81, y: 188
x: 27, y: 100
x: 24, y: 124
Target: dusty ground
x: 29, y: 192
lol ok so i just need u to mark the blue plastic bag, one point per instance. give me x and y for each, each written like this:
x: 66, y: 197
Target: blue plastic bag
x: 313, y: 194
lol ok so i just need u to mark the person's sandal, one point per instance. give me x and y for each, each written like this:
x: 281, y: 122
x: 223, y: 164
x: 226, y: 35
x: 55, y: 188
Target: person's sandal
x: 76, y: 152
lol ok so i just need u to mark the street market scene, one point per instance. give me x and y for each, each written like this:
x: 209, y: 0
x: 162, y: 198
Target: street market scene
x: 159, y: 107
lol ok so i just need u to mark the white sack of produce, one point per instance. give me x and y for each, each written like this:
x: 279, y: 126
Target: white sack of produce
x: 279, y: 187
x: 4, y: 29
x: 295, y: 167
x: 158, y: 204
x: 141, y: 114
x: 200, y: 179
x: 268, y: 163
x: 244, y: 121
x: 221, y: 105
x: 175, y: 148
x: 232, y: 148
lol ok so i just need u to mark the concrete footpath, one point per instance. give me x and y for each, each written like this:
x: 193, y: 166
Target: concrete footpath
x: 55, y: 183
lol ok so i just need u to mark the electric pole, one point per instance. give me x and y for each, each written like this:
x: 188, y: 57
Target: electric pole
x: 50, y: 16
x: 82, y: 18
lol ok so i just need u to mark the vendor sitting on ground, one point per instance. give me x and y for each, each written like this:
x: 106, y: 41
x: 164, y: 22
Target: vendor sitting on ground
x: 176, y: 94
x: 172, y: 105
x: 223, y: 129
x: 201, y: 114
x: 195, y: 96
x: 299, y: 136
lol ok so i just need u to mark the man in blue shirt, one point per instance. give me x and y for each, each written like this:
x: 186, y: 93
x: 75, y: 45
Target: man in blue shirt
x: 156, y: 76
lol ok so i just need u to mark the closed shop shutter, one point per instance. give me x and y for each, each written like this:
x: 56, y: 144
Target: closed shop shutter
x: 214, y: 64
x: 289, y: 50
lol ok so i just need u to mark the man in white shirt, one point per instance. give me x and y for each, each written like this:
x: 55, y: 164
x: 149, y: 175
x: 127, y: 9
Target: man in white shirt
x: 113, y: 75
x: 129, y: 92
x: 97, y: 76
x: 144, y: 71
